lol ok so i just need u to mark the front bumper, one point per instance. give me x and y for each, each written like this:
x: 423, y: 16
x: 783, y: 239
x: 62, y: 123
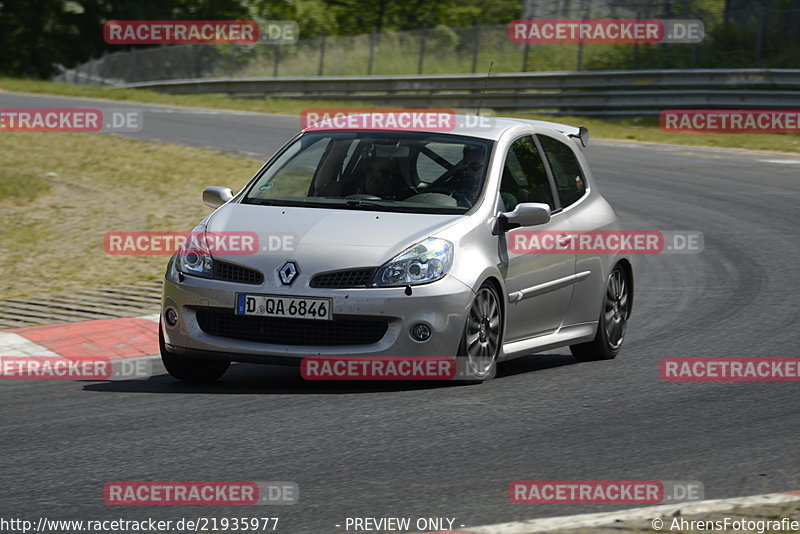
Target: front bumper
x: 442, y: 305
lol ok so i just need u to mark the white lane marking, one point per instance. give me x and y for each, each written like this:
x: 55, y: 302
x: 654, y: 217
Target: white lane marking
x: 16, y: 345
x: 781, y: 161
x: 637, y: 514
x: 156, y: 317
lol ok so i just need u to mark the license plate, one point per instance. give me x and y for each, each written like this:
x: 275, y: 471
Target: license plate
x: 277, y: 306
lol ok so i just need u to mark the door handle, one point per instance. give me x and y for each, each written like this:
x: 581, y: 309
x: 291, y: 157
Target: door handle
x: 564, y: 240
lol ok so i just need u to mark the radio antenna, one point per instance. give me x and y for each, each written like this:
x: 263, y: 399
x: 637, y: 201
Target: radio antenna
x: 485, y: 83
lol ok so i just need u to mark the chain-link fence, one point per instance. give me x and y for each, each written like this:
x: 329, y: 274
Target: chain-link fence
x: 734, y: 39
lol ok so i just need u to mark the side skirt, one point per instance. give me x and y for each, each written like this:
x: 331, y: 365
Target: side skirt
x: 568, y: 335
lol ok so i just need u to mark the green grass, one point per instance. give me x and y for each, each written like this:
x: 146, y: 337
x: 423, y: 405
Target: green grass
x: 636, y: 130
x: 18, y: 185
x: 61, y: 192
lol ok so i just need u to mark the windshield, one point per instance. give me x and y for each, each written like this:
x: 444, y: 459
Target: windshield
x: 386, y: 171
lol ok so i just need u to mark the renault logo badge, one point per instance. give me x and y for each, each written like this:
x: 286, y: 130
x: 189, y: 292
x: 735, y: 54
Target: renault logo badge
x: 288, y: 272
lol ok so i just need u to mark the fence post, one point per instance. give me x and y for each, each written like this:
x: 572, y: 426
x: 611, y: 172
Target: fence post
x: 372, y: 35
x: 525, y: 57
x: 132, y: 69
x: 233, y: 50
x: 277, y: 60
x: 192, y: 61
x: 635, y: 53
x: 476, y: 46
x: 686, y: 14
x: 762, y: 20
x: 104, y: 67
x: 92, y: 72
x: 794, y: 20
x: 421, y: 62
x: 322, y: 54
x: 587, y: 14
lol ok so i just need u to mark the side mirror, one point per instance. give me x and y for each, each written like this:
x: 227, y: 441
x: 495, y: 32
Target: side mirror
x: 215, y: 196
x: 525, y: 214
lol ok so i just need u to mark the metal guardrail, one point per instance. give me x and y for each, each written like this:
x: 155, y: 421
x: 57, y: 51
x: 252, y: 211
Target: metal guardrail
x: 594, y: 92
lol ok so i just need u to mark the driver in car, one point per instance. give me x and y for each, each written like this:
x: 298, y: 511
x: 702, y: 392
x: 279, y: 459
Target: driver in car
x: 467, y: 180
x: 383, y: 180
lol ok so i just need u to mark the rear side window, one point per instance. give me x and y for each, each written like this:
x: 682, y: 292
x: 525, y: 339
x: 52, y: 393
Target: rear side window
x: 567, y: 172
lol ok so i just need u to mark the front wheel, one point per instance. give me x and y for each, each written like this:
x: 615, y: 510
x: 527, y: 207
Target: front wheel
x: 482, y: 338
x: 190, y: 369
x: 612, y: 323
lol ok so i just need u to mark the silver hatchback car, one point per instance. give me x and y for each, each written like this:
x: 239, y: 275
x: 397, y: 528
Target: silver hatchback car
x: 401, y: 243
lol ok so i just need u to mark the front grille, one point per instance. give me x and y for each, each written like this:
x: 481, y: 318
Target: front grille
x: 343, y: 279
x: 236, y: 273
x: 284, y: 331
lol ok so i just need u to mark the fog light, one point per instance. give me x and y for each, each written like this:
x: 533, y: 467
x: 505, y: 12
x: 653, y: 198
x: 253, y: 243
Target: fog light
x: 171, y: 317
x: 421, y: 332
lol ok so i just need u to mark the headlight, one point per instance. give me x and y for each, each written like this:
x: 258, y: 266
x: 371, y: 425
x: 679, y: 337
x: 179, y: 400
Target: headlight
x: 194, y: 256
x: 425, y: 262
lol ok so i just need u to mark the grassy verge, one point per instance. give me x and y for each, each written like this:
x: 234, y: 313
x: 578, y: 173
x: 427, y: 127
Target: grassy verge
x: 61, y: 192
x: 637, y: 130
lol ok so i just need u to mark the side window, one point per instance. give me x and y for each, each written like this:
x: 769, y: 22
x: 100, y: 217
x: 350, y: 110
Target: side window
x: 567, y: 173
x: 524, y: 177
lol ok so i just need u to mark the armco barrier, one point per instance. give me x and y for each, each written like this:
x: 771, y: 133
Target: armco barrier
x: 593, y: 92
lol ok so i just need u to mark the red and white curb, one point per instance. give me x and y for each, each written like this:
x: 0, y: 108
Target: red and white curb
x: 617, y: 519
x: 130, y: 337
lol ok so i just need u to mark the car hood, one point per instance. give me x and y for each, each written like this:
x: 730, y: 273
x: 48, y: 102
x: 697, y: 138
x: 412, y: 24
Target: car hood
x: 320, y: 239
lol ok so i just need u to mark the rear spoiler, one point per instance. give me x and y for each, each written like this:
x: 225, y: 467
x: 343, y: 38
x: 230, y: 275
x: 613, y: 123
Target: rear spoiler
x: 580, y: 132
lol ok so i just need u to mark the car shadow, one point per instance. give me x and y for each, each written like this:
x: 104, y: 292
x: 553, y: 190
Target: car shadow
x: 533, y: 363
x: 248, y: 379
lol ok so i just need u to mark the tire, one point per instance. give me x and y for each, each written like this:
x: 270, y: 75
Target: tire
x: 613, y: 321
x: 482, y: 337
x: 190, y: 369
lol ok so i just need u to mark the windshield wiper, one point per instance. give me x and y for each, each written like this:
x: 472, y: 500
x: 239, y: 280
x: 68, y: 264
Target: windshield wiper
x: 362, y: 203
x: 283, y: 202
x: 355, y: 204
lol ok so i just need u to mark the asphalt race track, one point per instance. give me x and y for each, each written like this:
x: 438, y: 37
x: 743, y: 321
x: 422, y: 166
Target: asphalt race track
x: 422, y: 450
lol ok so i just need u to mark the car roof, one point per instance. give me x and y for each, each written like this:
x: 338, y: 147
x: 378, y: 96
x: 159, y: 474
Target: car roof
x: 468, y: 125
x: 497, y: 126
